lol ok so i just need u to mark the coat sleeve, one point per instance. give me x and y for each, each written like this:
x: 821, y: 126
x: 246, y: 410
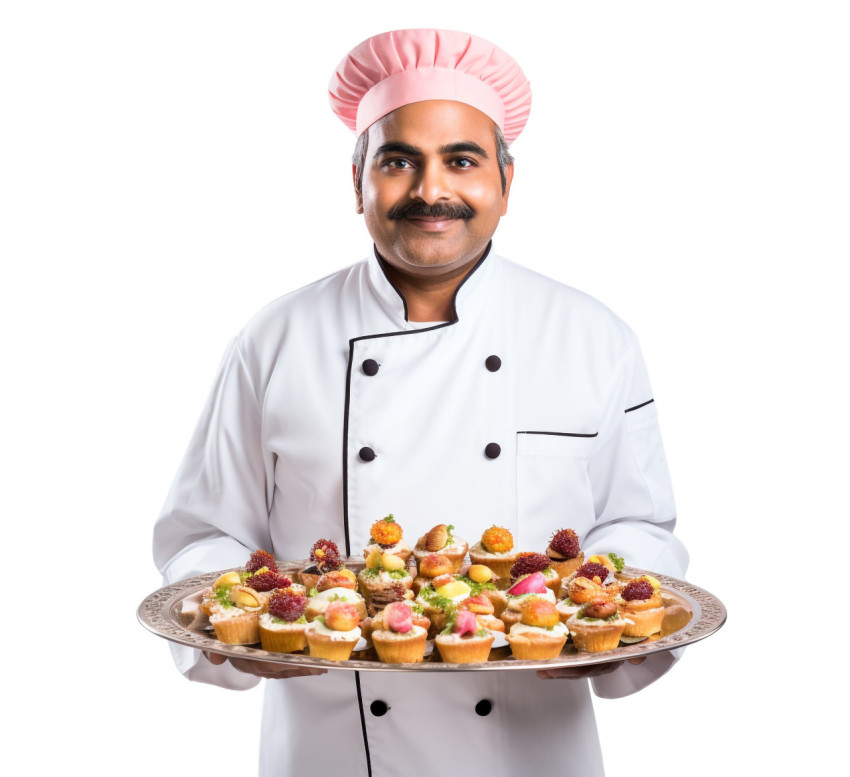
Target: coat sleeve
x: 633, y: 500
x: 217, y: 511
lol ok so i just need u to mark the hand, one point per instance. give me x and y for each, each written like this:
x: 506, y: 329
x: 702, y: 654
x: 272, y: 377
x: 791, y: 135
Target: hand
x: 583, y: 672
x: 262, y: 668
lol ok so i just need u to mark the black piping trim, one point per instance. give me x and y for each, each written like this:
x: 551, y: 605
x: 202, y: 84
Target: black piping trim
x: 351, y: 343
x: 564, y: 434
x: 363, y: 724
x: 638, y: 407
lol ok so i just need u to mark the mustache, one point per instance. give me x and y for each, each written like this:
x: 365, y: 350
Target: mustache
x: 441, y: 210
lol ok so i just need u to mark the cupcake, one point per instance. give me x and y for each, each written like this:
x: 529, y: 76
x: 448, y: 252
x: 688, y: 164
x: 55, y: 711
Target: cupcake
x: 441, y: 596
x: 530, y: 586
x: 399, y: 641
x: 377, y: 621
x: 386, y: 535
x: 495, y: 551
x: 383, y: 572
x: 318, y: 603
x: 334, y: 634
x: 482, y: 608
x: 324, y: 556
x: 597, y: 627
x: 441, y: 540
x: 464, y: 641
x: 528, y: 563
x: 640, y: 602
x: 282, y: 627
x: 235, y: 614
x: 431, y: 566
x: 564, y: 554
x: 539, y: 634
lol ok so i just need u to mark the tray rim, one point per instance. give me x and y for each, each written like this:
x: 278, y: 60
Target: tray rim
x: 155, y: 614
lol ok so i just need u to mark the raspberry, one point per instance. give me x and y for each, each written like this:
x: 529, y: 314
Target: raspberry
x: 260, y: 559
x: 325, y: 554
x: 638, y: 589
x: 592, y: 570
x: 268, y: 581
x: 287, y: 605
x: 527, y: 563
x: 565, y: 542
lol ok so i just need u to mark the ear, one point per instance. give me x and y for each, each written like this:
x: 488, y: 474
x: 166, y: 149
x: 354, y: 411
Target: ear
x: 358, y: 195
x: 509, y: 177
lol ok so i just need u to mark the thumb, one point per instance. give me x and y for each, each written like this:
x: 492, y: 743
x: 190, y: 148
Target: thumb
x: 216, y: 659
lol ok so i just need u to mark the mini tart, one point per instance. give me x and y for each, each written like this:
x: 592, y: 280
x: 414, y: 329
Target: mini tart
x: 327, y: 643
x: 468, y: 649
x: 594, y: 635
x: 567, y: 608
x: 316, y: 605
x: 278, y: 636
x: 533, y: 643
x: 512, y: 614
x: 393, y: 647
x: 400, y: 549
x: 235, y: 626
x: 376, y: 585
x: 455, y: 552
x: 645, y: 615
x: 498, y: 563
x: 565, y: 566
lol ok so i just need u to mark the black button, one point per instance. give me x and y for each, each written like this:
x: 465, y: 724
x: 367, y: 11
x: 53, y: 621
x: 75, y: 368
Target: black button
x: 367, y: 454
x: 492, y: 450
x: 380, y: 708
x: 370, y: 367
x: 483, y: 708
x: 493, y: 363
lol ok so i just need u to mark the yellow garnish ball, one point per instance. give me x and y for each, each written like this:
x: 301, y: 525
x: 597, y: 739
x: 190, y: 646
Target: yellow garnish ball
x: 479, y: 573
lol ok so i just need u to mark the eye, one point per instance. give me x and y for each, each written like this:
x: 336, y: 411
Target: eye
x: 464, y: 162
x: 398, y: 163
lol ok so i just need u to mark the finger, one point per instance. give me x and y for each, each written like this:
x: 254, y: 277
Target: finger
x: 216, y: 659
x: 638, y: 660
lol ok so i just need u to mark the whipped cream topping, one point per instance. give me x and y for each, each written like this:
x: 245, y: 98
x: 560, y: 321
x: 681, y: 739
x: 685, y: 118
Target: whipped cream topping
x: 317, y: 627
x: 559, y: 629
x: 515, y: 602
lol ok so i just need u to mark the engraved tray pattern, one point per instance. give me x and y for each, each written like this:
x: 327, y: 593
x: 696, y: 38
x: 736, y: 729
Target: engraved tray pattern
x: 160, y: 613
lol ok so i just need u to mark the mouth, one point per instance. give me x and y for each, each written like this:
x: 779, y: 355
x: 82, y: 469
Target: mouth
x: 432, y: 224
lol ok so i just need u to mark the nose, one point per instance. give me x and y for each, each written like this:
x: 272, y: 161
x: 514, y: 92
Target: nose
x: 432, y: 183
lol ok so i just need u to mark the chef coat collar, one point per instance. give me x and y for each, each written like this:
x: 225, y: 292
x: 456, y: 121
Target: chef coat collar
x: 395, y: 304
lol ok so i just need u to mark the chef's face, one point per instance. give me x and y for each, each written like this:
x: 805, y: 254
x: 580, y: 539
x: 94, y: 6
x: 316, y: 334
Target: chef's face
x: 432, y: 192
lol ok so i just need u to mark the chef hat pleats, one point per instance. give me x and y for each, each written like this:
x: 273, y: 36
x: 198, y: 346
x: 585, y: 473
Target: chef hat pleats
x: 394, y: 69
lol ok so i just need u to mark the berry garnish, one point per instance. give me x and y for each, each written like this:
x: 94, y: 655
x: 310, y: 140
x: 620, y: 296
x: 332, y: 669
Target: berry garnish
x: 528, y: 563
x: 565, y: 543
x: 260, y: 559
x: 386, y: 532
x: 286, y: 604
x: 593, y: 570
x: 325, y: 554
x: 268, y: 581
x: 638, y: 589
x: 497, y: 540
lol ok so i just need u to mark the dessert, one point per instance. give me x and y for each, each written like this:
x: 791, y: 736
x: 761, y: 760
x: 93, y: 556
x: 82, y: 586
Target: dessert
x: 531, y: 586
x: 318, y: 603
x: 640, y: 603
x: 539, y: 634
x: 529, y: 563
x: 386, y: 535
x: 334, y: 634
x: 234, y: 611
x: 464, y: 641
x: 399, y: 640
x: 443, y: 594
x: 495, y: 551
x: 282, y: 627
x: 564, y: 553
x: 597, y: 627
x: 441, y: 540
x: 382, y: 575
x: 431, y: 566
x: 325, y: 557
x: 484, y: 612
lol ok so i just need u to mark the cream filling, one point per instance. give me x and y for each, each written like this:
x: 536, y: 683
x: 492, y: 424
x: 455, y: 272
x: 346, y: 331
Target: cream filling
x: 343, y: 594
x: 267, y: 621
x: 515, y: 602
x: 557, y: 630
x: 317, y: 627
x: 415, y: 631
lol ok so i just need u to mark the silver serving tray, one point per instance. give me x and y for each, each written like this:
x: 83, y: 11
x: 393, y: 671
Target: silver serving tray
x: 692, y: 615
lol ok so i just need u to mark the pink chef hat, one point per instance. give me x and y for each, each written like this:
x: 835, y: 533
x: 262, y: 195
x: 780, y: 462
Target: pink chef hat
x: 407, y: 66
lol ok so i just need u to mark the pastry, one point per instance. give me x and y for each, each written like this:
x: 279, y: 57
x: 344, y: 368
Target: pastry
x: 325, y: 557
x: 495, y: 550
x: 464, y: 641
x: 531, y: 586
x: 235, y: 613
x: 597, y: 627
x: 282, y: 628
x: 399, y: 640
x: 441, y: 540
x: 334, y: 634
x: 318, y: 603
x: 564, y: 553
x: 383, y: 573
x: 386, y: 535
x: 640, y: 603
x: 528, y: 563
x: 539, y: 634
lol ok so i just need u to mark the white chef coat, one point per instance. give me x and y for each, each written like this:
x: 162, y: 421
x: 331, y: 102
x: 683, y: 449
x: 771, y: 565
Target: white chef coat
x: 299, y: 440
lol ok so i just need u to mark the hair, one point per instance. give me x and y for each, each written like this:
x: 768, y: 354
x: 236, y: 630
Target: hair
x: 503, y: 157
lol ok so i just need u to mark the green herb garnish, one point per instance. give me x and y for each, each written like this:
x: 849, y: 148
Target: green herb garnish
x: 618, y: 562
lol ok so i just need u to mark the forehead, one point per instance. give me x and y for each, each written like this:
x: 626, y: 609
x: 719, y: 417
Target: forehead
x: 432, y: 124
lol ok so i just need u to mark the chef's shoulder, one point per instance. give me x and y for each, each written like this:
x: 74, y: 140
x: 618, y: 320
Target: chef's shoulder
x: 545, y: 304
x: 295, y: 319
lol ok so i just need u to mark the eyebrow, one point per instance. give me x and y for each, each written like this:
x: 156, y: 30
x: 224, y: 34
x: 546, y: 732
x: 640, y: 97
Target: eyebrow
x: 461, y: 147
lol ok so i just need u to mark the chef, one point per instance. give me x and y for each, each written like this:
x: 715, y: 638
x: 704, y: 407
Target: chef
x: 439, y: 382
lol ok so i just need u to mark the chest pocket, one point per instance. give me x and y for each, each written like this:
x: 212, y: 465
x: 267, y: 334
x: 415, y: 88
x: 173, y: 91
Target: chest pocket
x: 553, y: 485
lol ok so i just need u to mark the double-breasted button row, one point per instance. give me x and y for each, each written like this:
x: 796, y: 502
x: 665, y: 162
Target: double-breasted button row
x: 379, y: 708
x: 370, y: 367
x: 492, y: 451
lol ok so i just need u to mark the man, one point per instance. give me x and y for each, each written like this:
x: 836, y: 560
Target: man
x: 443, y: 384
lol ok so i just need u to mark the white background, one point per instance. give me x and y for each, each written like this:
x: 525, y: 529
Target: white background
x: 166, y: 168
